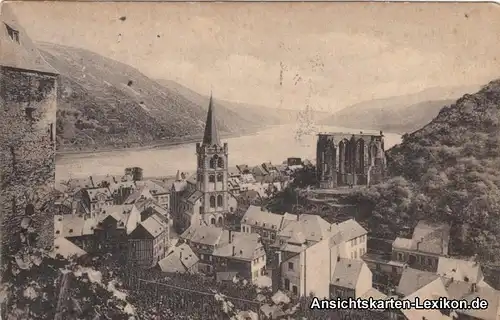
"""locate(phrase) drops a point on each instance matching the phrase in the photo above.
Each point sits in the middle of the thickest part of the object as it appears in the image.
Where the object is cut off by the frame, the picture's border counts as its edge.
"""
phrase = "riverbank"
(154, 145)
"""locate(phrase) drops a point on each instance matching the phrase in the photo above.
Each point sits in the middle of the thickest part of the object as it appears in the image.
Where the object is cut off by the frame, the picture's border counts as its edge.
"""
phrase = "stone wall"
(27, 155)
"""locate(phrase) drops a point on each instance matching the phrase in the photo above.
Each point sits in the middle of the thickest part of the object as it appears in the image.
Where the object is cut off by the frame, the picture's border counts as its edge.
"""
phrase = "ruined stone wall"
(27, 158)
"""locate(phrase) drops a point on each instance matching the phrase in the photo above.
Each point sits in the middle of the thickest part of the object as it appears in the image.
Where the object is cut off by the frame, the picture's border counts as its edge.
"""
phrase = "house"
(304, 229)
(149, 242)
(384, 269)
(140, 194)
(462, 270)
(180, 260)
(66, 248)
(429, 242)
(305, 269)
(96, 199)
(121, 190)
(115, 223)
(431, 291)
(264, 223)
(354, 238)
(418, 283)
(242, 253)
(203, 241)
(350, 278)
(78, 229)
(160, 194)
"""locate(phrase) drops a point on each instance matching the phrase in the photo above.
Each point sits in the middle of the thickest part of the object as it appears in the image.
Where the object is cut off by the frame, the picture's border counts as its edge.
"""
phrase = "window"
(290, 265)
(211, 178)
(294, 290)
(273, 236)
(355, 254)
(400, 256)
(287, 284)
(13, 34)
(219, 201)
(220, 220)
(220, 163)
(212, 201)
(212, 221)
(212, 163)
(355, 241)
(202, 257)
(220, 177)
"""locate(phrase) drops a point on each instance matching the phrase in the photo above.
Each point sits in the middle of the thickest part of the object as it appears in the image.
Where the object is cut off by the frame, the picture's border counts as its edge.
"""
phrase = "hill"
(398, 114)
(254, 113)
(449, 171)
(107, 104)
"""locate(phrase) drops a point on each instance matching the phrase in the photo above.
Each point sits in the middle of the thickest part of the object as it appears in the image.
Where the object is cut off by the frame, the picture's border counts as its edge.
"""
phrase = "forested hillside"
(103, 103)
(449, 171)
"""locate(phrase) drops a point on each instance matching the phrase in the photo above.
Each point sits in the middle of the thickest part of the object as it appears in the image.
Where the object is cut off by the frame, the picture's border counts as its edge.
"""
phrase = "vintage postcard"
(246, 160)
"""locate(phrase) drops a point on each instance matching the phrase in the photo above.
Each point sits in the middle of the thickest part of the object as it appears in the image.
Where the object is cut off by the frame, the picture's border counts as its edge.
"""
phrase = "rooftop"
(207, 235)
(256, 216)
(180, 259)
(242, 246)
(347, 272)
(19, 51)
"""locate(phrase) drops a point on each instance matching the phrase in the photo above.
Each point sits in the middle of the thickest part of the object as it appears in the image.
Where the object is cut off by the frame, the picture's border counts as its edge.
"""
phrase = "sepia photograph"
(249, 160)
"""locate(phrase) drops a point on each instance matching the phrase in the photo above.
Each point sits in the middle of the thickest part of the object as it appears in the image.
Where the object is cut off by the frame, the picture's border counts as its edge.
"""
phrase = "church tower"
(212, 172)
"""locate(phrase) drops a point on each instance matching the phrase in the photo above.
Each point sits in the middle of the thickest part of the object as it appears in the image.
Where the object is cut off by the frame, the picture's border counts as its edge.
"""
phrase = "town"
(223, 241)
(214, 223)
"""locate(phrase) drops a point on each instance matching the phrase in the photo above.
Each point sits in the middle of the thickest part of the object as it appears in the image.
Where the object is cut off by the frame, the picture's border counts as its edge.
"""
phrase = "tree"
(135, 172)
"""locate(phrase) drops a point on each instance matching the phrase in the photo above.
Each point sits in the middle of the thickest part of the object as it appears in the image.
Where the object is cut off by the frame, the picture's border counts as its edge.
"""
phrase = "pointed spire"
(178, 176)
(211, 136)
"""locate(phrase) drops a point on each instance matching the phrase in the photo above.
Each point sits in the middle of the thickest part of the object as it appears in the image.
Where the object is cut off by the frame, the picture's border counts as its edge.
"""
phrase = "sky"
(288, 55)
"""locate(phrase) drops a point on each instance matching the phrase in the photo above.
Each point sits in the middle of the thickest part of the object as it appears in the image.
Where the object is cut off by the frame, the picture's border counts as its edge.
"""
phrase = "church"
(204, 197)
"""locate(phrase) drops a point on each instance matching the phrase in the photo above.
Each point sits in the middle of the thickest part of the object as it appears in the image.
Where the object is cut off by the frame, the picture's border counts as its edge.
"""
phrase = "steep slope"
(255, 113)
(104, 103)
(450, 171)
(398, 114)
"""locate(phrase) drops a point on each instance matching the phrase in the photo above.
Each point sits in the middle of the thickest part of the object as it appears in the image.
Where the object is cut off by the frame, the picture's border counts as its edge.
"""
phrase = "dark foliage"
(448, 171)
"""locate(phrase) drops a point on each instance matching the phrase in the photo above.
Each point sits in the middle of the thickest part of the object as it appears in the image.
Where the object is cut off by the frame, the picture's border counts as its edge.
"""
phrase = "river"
(273, 144)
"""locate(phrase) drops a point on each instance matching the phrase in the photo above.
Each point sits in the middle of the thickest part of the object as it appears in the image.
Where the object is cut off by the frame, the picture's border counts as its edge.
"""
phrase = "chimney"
(473, 288)
(92, 181)
(231, 237)
(280, 256)
(297, 217)
(338, 258)
(234, 248)
(418, 243)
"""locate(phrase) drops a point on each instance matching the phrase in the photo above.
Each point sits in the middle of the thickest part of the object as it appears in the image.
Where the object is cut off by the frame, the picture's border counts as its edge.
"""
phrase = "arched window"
(212, 163)
(220, 177)
(212, 201)
(220, 163)
(220, 220)
(212, 221)
(219, 201)
(211, 178)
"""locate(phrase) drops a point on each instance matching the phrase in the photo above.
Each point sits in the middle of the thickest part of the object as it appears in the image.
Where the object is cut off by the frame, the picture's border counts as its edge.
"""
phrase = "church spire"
(178, 176)
(211, 136)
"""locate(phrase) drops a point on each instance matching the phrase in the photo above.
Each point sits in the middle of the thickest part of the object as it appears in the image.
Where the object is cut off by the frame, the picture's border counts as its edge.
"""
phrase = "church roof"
(211, 136)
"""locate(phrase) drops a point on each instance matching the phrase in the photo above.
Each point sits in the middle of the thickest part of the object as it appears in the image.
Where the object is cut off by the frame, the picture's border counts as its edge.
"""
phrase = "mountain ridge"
(105, 104)
(399, 114)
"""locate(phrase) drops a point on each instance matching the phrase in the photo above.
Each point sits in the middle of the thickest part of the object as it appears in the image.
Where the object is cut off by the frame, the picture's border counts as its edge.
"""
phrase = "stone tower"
(344, 159)
(212, 172)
